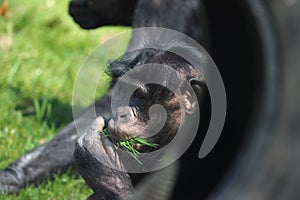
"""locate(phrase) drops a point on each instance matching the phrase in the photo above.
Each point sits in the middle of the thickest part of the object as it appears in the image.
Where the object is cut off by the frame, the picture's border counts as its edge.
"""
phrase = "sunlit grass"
(41, 49)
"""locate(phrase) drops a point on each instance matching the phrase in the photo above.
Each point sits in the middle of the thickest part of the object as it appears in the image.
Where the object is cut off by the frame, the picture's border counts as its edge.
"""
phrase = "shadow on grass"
(50, 111)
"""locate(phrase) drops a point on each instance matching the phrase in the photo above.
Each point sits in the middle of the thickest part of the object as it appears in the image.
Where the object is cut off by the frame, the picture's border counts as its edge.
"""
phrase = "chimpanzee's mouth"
(133, 145)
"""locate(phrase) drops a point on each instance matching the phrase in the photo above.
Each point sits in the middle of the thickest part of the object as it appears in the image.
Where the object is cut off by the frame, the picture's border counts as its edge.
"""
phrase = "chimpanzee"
(132, 120)
(57, 155)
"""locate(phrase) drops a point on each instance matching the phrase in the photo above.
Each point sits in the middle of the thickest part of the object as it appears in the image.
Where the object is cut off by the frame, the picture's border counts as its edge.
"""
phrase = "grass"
(41, 49)
(131, 145)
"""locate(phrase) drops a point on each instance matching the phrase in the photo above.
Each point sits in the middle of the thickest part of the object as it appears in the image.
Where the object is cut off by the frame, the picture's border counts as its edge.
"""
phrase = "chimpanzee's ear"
(200, 90)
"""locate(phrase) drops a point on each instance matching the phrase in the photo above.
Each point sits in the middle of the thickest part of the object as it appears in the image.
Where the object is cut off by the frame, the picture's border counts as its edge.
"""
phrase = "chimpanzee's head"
(135, 120)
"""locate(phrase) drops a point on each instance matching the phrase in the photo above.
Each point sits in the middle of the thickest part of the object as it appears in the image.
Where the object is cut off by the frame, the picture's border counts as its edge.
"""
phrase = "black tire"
(266, 164)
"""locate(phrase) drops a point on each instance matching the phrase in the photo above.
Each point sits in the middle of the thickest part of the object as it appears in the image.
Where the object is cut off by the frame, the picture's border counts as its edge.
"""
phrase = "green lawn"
(41, 49)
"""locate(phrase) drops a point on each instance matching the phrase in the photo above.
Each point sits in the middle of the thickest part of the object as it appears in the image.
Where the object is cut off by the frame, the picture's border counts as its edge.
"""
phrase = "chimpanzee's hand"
(91, 151)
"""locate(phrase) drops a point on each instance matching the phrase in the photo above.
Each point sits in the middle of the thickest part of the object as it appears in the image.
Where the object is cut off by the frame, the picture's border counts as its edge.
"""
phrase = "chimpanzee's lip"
(111, 126)
(113, 130)
(116, 133)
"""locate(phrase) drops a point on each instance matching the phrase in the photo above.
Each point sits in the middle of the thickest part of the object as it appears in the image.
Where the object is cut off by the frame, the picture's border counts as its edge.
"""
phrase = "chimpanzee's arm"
(51, 157)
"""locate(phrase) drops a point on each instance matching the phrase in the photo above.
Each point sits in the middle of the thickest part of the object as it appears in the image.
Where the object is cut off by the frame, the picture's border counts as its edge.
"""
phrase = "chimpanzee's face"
(135, 120)
(132, 121)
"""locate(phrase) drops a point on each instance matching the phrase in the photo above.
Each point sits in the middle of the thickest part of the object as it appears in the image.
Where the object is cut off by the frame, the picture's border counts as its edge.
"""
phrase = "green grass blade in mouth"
(128, 145)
